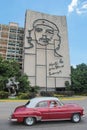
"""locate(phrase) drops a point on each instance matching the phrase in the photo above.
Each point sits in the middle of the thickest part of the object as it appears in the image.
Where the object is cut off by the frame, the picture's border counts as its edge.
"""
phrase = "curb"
(74, 98)
(9, 100)
(61, 98)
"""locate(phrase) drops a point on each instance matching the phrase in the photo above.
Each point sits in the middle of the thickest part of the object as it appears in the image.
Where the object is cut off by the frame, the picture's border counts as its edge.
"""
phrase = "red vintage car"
(46, 109)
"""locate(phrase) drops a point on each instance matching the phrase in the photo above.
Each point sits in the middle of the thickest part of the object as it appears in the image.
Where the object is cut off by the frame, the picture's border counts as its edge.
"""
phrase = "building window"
(13, 30)
(12, 36)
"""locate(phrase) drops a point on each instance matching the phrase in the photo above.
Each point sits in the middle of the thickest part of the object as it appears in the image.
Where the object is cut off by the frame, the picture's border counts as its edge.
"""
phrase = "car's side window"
(53, 104)
(42, 104)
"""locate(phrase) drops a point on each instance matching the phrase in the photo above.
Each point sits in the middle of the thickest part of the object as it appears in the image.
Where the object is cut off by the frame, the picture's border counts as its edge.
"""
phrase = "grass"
(58, 96)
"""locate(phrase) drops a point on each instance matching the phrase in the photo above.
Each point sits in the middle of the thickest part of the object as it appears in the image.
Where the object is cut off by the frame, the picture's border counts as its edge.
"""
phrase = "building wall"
(11, 42)
(46, 52)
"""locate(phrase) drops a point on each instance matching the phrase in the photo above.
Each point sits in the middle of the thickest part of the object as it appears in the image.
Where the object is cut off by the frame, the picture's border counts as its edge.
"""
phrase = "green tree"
(24, 85)
(10, 68)
(79, 78)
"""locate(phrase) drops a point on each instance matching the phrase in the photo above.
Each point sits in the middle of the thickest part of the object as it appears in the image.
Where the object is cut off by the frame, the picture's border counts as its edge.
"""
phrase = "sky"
(76, 16)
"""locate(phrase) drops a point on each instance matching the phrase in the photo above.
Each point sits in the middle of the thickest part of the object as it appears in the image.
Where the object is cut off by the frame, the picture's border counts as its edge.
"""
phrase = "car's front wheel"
(29, 121)
(76, 117)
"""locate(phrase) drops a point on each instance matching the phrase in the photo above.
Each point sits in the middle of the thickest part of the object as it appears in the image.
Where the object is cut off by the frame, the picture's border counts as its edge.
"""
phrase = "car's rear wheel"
(76, 117)
(29, 121)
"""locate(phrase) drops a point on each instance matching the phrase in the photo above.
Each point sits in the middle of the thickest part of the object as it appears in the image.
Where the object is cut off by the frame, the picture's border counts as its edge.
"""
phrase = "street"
(6, 108)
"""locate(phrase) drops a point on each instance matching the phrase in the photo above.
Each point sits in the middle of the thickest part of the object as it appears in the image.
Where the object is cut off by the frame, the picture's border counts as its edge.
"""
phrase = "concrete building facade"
(46, 50)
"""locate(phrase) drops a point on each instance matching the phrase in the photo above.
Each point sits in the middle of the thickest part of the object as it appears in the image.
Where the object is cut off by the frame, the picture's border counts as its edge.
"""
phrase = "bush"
(26, 95)
(23, 96)
(3, 94)
(47, 93)
(69, 93)
(65, 93)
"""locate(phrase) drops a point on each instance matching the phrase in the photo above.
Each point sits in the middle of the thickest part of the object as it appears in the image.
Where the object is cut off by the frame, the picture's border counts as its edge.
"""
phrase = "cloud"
(72, 5)
(82, 8)
(78, 6)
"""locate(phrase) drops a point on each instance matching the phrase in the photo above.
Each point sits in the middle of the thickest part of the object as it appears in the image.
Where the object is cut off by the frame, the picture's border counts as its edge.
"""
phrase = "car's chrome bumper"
(85, 115)
(12, 119)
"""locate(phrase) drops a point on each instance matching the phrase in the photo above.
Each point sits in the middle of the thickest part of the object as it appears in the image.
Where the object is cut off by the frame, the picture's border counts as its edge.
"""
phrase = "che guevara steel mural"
(47, 33)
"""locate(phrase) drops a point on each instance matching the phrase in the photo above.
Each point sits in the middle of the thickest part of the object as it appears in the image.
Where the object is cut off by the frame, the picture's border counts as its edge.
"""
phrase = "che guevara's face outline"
(43, 34)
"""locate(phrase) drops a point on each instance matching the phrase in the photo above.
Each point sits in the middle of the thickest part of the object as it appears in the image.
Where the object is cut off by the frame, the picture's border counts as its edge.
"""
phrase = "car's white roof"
(34, 101)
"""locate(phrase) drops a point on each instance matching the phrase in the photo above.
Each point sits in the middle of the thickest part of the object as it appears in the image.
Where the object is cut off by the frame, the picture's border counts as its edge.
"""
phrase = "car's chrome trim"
(38, 118)
(55, 119)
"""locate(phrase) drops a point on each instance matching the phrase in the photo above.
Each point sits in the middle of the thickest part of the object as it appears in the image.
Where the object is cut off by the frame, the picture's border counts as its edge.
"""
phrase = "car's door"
(43, 108)
(57, 112)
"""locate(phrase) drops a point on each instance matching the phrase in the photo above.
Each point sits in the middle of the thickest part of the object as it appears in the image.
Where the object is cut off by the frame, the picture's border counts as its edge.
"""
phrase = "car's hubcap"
(29, 121)
(76, 118)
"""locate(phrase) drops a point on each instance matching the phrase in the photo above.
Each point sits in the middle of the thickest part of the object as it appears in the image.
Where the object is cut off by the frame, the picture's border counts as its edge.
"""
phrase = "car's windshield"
(61, 103)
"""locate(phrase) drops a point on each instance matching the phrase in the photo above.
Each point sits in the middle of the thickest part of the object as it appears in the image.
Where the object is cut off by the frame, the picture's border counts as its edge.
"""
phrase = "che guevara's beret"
(46, 23)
